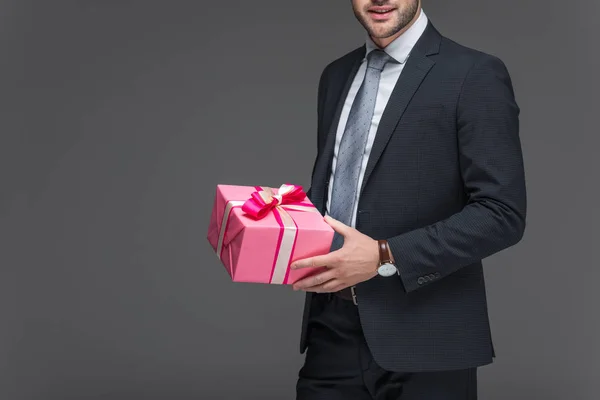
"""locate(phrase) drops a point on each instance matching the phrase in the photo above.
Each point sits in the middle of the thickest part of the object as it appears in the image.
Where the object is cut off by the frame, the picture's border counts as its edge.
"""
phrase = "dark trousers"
(339, 365)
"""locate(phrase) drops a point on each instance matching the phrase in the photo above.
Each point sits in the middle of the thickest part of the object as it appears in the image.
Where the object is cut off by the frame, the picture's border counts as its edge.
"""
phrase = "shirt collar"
(401, 47)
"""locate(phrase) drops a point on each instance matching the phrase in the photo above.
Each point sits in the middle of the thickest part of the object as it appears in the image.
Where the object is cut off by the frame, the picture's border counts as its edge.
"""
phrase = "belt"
(347, 294)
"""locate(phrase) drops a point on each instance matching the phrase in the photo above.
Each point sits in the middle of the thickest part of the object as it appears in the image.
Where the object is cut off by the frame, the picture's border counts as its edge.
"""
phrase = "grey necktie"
(352, 146)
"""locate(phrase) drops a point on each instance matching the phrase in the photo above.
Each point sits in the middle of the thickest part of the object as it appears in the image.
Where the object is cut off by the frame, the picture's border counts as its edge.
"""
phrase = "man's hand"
(355, 262)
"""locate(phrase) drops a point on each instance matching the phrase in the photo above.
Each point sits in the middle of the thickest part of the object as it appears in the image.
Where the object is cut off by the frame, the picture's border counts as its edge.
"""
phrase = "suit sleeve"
(320, 102)
(492, 169)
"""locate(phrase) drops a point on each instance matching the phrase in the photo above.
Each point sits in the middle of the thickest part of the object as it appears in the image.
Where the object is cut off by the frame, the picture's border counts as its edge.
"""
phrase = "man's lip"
(380, 8)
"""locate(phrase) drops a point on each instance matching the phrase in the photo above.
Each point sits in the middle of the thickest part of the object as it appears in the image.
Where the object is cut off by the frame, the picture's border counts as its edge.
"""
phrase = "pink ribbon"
(266, 200)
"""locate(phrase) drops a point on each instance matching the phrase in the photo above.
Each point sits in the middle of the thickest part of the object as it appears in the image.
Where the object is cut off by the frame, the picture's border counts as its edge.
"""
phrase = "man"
(419, 171)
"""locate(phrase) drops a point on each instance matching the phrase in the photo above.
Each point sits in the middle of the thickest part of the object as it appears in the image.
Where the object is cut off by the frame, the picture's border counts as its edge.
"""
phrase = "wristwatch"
(386, 265)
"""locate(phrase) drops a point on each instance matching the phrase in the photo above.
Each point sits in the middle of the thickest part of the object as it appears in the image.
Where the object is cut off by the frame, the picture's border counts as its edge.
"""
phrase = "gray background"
(118, 118)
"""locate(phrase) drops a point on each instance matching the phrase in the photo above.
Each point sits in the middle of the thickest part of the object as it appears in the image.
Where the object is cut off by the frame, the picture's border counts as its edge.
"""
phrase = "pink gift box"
(257, 232)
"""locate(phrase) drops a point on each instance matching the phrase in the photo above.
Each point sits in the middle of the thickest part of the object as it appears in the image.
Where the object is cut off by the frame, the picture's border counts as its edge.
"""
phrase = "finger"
(312, 262)
(338, 226)
(315, 280)
(330, 286)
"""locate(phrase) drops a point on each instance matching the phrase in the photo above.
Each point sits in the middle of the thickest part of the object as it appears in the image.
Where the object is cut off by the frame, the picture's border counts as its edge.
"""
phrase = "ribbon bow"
(264, 201)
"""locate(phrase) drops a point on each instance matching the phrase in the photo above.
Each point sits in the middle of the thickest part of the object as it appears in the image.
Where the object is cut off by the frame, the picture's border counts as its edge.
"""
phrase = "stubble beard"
(377, 31)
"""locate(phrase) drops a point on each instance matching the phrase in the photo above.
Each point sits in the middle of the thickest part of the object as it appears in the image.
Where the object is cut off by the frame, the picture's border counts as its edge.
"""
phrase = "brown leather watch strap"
(384, 252)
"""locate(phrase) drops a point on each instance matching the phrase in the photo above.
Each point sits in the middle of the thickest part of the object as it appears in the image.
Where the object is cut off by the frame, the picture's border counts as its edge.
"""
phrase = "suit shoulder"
(474, 68)
(344, 61)
(466, 56)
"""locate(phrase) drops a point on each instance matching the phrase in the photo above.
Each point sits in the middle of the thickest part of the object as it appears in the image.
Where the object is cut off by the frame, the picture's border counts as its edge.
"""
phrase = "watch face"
(387, 270)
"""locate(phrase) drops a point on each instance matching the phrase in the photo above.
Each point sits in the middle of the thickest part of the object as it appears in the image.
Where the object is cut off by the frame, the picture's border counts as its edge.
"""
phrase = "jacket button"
(437, 275)
(421, 280)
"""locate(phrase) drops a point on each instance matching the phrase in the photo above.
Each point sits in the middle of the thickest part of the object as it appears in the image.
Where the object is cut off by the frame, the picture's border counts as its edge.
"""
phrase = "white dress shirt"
(399, 50)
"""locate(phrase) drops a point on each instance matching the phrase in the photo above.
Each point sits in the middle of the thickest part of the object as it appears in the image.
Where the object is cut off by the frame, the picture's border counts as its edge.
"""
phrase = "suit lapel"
(414, 72)
(416, 69)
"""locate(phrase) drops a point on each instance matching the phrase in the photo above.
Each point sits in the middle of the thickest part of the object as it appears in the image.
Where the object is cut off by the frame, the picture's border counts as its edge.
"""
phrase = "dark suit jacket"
(445, 185)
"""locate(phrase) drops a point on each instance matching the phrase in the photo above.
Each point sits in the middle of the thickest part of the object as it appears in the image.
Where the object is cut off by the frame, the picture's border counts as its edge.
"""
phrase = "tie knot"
(377, 59)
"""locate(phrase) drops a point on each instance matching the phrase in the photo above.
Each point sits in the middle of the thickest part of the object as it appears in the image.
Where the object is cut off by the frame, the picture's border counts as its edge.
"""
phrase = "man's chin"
(381, 30)
(381, 34)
